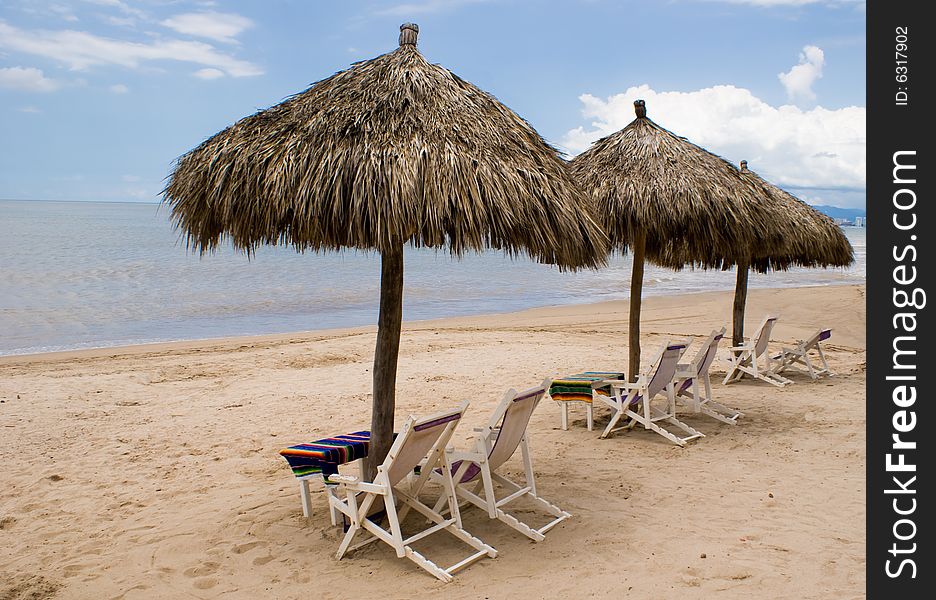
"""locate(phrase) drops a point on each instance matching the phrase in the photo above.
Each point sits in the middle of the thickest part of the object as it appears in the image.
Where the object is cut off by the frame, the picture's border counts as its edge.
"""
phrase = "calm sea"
(87, 275)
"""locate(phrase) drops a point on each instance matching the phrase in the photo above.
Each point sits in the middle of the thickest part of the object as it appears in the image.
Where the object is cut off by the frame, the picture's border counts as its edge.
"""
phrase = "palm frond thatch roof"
(811, 239)
(693, 206)
(391, 150)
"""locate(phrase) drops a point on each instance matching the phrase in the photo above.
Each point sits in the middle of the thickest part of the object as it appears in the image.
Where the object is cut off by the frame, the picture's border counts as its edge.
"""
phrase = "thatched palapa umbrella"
(391, 151)
(673, 203)
(810, 239)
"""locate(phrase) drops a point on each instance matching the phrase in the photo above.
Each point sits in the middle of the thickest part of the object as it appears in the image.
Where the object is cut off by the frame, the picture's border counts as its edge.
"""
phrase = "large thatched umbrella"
(810, 239)
(393, 150)
(673, 203)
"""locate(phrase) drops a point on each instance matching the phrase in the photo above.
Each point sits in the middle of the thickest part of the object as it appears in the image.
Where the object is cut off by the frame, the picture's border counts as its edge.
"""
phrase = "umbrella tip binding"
(640, 107)
(743, 166)
(408, 34)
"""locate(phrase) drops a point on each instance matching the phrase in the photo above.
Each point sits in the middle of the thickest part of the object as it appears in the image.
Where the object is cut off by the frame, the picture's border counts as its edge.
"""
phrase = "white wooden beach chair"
(692, 377)
(475, 471)
(419, 441)
(744, 358)
(636, 400)
(790, 358)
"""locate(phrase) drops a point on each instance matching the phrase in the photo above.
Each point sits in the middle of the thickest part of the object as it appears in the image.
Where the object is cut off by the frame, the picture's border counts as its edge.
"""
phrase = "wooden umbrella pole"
(385, 358)
(633, 323)
(740, 298)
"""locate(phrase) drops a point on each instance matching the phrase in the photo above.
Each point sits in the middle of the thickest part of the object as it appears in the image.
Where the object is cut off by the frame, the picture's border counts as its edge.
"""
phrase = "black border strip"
(901, 263)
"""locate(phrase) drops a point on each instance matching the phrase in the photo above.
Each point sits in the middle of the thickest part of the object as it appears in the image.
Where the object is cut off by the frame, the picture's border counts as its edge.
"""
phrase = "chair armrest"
(741, 347)
(343, 479)
(641, 378)
(620, 384)
(465, 455)
(350, 482)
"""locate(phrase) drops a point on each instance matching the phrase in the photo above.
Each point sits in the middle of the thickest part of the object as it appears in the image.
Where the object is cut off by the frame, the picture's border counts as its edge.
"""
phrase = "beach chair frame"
(387, 486)
(476, 470)
(791, 358)
(693, 377)
(743, 359)
(659, 378)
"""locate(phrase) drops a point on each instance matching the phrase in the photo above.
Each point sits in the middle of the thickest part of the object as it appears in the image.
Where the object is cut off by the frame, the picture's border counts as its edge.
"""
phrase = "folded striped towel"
(578, 387)
(322, 457)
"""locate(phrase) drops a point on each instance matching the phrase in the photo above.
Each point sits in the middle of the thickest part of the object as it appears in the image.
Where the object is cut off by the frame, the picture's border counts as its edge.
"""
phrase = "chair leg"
(450, 526)
(395, 531)
(518, 525)
(426, 564)
(717, 410)
(489, 490)
(825, 366)
(589, 415)
(661, 416)
(353, 528)
(537, 535)
(618, 413)
(734, 371)
(564, 415)
(528, 462)
(811, 371)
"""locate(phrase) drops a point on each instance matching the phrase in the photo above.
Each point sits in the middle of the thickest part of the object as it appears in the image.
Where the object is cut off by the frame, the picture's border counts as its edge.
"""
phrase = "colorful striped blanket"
(322, 457)
(578, 387)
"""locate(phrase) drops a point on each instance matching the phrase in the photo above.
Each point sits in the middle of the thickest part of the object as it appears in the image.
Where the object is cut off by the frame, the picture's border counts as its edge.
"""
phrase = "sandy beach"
(152, 471)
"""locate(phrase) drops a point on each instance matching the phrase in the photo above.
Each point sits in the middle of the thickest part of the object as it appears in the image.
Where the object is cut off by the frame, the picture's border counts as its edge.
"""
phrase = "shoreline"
(196, 344)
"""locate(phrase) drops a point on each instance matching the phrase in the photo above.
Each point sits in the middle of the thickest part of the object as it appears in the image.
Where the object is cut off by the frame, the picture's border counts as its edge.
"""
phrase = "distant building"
(859, 221)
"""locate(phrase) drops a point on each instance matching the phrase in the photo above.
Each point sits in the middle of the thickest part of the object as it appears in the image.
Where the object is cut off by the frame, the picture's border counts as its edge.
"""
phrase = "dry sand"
(152, 472)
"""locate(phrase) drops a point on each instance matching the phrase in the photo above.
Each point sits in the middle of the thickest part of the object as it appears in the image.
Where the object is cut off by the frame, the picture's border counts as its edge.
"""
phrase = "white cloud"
(799, 79)
(119, 88)
(817, 148)
(26, 79)
(221, 27)
(29, 110)
(208, 73)
(120, 21)
(64, 12)
(121, 6)
(81, 50)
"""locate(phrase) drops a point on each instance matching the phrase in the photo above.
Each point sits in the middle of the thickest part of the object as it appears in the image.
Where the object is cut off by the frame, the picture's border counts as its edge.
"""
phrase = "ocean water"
(87, 275)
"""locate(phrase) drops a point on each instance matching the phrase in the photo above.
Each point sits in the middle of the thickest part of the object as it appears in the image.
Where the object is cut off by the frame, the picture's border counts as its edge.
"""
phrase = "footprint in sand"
(262, 560)
(242, 548)
(690, 579)
(202, 570)
(75, 569)
(205, 583)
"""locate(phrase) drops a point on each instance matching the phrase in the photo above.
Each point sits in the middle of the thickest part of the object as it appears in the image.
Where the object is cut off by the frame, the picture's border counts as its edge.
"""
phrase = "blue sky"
(98, 97)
